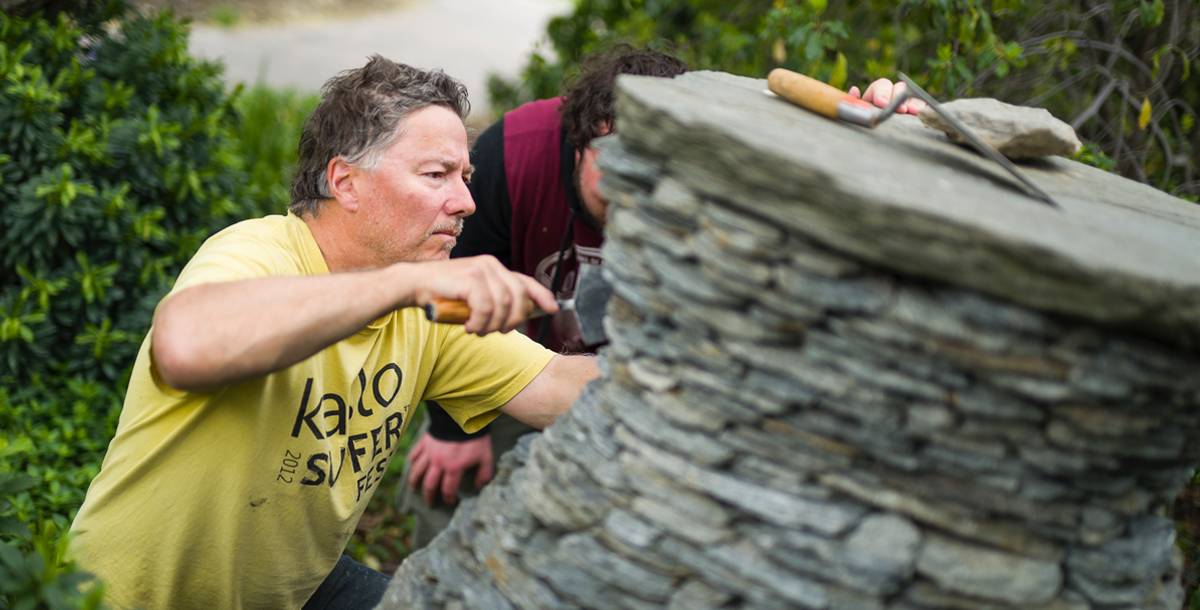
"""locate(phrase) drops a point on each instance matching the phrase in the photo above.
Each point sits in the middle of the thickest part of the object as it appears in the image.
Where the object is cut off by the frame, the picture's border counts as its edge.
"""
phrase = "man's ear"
(340, 176)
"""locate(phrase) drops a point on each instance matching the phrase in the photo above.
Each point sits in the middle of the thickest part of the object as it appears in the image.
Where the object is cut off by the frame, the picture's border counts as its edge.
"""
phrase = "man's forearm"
(214, 334)
(553, 391)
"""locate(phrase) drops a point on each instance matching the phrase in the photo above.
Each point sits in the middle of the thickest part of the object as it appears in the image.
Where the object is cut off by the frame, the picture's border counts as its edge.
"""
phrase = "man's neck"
(336, 241)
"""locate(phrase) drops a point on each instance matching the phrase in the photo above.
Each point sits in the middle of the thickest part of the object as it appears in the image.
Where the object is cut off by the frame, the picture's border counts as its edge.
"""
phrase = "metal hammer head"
(592, 292)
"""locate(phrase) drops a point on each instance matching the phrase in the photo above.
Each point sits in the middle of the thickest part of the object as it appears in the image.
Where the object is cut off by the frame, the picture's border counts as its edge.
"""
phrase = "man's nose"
(461, 203)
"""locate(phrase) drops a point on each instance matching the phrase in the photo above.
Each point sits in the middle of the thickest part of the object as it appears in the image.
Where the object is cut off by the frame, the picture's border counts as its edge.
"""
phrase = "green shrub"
(271, 124)
(1120, 70)
(41, 575)
(118, 157)
(118, 162)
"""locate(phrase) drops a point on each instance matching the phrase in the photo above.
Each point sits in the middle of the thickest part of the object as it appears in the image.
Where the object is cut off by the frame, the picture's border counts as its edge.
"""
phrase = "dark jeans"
(350, 585)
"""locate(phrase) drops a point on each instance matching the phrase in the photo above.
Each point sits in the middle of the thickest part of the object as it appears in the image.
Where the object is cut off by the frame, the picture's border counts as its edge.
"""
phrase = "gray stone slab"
(988, 574)
(630, 530)
(1018, 132)
(925, 419)
(621, 572)
(689, 280)
(654, 483)
(807, 257)
(770, 505)
(714, 574)
(793, 414)
(882, 195)
(696, 595)
(678, 523)
(689, 409)
(747, 561)
(756, 275)
(884, 547)
(797, 449)
(733, 323)
(1123, 570)
(781, 474)
(721, 238)
(853, 295)
(992, 403)
(625, 264)
(948, 517)
(636, 168)
(925, 596)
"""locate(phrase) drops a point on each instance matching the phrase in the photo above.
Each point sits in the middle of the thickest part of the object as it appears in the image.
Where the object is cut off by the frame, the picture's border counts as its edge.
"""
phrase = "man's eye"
(436, 175)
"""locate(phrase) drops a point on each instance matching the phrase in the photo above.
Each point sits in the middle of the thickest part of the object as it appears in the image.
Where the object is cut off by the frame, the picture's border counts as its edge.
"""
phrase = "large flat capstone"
(902, 197)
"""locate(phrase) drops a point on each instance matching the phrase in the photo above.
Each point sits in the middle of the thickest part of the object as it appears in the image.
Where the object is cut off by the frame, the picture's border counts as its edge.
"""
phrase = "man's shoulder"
(276, 232)
(273, 244)
(550, 104)
(538, 114)
(273, 227)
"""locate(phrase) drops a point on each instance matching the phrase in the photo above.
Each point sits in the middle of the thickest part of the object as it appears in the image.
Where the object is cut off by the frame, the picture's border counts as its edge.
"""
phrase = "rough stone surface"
(988, 574)
(874, 377)
(1018, 132)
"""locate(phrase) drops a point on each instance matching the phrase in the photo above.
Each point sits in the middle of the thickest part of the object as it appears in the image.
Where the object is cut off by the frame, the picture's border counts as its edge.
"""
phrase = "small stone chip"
(1019, 132)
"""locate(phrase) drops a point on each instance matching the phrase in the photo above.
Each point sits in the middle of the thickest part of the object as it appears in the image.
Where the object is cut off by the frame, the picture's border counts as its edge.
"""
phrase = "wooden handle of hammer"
(810, 93)
(453, 311)
(448, 311)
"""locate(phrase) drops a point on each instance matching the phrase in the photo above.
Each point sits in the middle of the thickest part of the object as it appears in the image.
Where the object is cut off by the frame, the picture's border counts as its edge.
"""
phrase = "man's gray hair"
(358, 119)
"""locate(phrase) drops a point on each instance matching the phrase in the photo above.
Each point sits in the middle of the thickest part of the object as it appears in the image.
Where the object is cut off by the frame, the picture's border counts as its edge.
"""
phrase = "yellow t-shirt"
(245, 497)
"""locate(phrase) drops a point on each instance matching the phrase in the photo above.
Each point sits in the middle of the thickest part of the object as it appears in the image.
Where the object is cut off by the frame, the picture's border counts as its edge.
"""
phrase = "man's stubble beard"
(454, 226)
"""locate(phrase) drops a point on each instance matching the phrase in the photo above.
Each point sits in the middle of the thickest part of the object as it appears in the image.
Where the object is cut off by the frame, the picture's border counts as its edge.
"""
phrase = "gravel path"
(467, 38)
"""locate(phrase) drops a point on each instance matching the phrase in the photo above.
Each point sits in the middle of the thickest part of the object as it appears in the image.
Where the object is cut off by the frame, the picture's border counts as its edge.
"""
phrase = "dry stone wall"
(786, 423)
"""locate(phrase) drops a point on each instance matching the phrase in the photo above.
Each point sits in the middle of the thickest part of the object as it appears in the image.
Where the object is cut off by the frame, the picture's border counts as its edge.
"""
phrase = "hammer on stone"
(587, 306)
(829, 101)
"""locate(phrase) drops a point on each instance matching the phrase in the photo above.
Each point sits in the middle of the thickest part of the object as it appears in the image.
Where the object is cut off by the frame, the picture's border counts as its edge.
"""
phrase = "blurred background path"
(467, 38)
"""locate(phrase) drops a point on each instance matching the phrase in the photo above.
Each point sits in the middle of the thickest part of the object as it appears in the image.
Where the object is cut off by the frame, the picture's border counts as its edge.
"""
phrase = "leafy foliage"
(118, 157)
(43, 576)
(1119, 71)
(118, 162)
(271, 123)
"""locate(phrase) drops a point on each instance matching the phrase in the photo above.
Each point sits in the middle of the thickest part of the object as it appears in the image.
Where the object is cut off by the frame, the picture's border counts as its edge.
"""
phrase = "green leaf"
(1145, 114)
(9, 447)
(1152, 13)
(11, 485)
(837, 77)
(12, 526)
(813, 47)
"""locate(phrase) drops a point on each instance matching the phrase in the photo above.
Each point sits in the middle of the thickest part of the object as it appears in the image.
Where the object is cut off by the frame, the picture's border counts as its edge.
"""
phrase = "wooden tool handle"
(453, 311)
(448, 311)
(809, 93)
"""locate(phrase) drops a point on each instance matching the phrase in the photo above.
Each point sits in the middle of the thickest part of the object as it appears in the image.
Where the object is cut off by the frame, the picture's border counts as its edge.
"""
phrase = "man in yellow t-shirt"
(279, 373)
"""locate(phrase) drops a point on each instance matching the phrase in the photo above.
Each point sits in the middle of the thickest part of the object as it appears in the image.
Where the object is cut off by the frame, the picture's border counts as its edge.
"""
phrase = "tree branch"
(1094, 107)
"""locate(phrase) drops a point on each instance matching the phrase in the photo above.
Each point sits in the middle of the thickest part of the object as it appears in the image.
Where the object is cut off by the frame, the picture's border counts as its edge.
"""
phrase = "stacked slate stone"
(851, 369)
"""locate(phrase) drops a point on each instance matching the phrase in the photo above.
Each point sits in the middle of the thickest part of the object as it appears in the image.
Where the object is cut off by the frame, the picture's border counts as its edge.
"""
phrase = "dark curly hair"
(589, 97)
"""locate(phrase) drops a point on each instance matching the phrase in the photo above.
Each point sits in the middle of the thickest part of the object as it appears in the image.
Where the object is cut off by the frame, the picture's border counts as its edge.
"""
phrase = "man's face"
(412, 204)
(588, 183)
